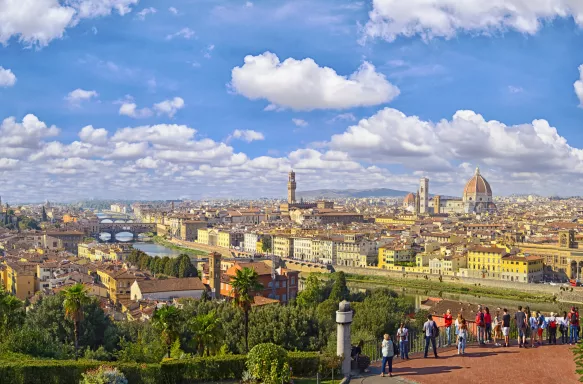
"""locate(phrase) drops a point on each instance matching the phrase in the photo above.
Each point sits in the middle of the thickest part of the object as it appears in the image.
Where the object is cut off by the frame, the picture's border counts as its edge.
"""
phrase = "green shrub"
(204, 369)
(268, 363)
(104, 375)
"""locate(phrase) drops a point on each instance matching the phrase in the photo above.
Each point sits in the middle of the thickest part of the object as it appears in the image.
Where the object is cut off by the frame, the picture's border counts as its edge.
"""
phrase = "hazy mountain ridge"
(344, 193)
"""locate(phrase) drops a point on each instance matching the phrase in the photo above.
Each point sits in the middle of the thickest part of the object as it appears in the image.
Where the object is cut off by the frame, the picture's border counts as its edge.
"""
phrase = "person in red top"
(481, 324)
(488, 322)
(448, 321)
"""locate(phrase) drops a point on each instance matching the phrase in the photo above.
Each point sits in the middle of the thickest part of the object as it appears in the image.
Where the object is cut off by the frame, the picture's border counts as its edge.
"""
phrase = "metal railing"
(372, 348)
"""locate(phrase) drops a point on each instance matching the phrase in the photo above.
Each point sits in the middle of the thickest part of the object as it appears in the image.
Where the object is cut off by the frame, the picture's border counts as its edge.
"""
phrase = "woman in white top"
(388, 350)
(458, 322)
(564, 328)
(403, 339)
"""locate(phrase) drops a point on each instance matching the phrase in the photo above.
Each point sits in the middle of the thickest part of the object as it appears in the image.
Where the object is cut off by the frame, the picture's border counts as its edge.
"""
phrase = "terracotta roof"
(477, 184)
(260, 300)
(171, 285)
(259, 267)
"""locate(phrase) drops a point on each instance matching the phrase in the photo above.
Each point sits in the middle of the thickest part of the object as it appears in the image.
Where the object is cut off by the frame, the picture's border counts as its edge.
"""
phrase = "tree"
(76, 298)
(166, 320)
(11, 312)
(266, 244)
(339, 289)
(313, 292)
(245, 282)
(185, 267)
(207, 332)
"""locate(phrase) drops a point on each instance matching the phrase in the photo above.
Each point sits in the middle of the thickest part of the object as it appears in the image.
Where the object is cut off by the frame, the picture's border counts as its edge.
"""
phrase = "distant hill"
(344, 193)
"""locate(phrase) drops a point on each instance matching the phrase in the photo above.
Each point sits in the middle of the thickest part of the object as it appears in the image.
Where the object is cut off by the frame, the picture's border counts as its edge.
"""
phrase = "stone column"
(343, 345)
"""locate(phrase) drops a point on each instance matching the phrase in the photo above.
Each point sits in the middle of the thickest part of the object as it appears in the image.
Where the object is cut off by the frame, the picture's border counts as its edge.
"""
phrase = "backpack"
(435, 330)
(574, 318)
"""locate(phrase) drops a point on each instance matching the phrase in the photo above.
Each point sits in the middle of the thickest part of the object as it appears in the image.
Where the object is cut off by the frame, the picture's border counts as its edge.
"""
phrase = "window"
(284, 297)
(293, 281)
(284, 284)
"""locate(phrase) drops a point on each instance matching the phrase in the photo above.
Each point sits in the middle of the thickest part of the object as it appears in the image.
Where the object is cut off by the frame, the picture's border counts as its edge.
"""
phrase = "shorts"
(521, 332)
(505, 331)
(540, 332)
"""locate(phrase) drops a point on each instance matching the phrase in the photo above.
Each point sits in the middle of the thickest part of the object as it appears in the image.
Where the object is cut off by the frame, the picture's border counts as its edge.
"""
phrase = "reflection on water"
(154, 249)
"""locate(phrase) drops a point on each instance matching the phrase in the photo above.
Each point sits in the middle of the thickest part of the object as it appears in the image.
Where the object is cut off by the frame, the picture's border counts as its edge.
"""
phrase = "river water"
(154, 250)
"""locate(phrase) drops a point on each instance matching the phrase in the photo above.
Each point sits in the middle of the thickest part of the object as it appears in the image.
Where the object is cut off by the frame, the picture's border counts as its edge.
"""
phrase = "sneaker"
(497, 344)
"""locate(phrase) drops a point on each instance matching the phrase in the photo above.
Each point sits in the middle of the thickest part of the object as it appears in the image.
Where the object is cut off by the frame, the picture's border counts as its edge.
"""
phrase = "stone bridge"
(134, 228)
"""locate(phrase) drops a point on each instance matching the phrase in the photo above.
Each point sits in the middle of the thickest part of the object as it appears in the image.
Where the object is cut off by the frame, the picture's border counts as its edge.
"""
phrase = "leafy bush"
(100, 354)
(104, 375)
(268, 363)
(204, 369)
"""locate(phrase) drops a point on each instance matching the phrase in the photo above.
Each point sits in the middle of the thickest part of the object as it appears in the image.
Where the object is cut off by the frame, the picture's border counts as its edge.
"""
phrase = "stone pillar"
(343, 345)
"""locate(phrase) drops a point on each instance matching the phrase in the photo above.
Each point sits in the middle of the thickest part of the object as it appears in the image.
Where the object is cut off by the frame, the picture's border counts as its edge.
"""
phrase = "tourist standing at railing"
(542, 325)
(533, 326)
(388, 350)
(462, 338)
(578, 324)
(573, 326)
(497, 326)
(458, 322)
(528, 333)
(506, 327)
(521, 325)
(448, 318)
(552, 330)
(481, 324)
(403, 337)
(488, 322)
(431, 332)
(564, 328)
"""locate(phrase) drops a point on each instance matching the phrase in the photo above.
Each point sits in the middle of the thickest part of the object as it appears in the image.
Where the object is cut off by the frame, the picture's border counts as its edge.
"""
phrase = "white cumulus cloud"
(445, 18)
(247, 135)
(300, 122)
(169, 107)
(304, 85)
(145, 12)
(579, 86)
(92, 135)
(79, 95)
(39, 22)
(7, 78)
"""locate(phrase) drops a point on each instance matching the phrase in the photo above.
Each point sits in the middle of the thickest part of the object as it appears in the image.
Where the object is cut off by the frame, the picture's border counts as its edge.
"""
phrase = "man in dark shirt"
(506, 327)
(520, 319)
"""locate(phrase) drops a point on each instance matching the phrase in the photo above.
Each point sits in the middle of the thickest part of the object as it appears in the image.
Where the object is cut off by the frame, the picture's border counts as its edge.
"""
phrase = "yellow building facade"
(389, 256)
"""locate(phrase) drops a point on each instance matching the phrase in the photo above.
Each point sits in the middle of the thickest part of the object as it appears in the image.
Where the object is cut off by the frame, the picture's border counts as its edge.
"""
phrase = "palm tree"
(245, 282)
(207, 332)
(166, 319)
(75, 298)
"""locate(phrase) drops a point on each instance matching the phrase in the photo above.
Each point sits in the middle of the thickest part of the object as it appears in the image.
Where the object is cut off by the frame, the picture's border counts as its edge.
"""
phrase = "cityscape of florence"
(291, 191)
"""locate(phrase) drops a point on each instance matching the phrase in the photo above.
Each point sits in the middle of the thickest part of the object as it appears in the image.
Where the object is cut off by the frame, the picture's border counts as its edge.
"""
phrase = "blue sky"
(175, 110)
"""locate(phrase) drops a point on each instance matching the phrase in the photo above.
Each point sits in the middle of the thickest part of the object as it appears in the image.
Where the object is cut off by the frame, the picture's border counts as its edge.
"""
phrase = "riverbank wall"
(574, 296)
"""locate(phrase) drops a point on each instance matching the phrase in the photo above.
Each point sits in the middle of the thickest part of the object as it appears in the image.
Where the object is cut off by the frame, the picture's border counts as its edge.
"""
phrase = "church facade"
(476, 198)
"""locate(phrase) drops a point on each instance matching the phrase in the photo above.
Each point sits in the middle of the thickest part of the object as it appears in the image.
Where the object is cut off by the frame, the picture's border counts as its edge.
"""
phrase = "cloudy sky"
(221, 98)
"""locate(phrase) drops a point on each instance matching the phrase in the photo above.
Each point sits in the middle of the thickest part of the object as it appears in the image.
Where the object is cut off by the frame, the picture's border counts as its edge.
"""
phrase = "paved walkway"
(487, 365)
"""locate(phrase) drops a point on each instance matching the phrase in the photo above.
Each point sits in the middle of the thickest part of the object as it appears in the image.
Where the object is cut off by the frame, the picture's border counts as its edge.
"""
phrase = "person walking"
(388, 350)
(462, 338)
(431, 332)
(448, 319)
(573, 325)
(552, 329)
(480, 323)
(521, 325)
(497, 326)
(564, 328)
(488, 323)
(403, 338)
(506, 327)
(533, 323)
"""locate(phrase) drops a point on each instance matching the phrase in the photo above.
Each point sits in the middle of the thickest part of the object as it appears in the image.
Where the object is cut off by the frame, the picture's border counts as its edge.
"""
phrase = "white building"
(303, 249)
(324, 250)
(250, 243)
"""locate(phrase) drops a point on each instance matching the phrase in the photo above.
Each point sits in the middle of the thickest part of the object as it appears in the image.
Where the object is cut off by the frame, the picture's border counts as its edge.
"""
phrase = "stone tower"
(291, 188)
(215, 274)
(424, 195)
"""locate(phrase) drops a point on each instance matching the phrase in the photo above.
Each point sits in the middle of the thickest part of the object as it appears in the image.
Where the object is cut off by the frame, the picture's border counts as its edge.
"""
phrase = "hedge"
(193, 370)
